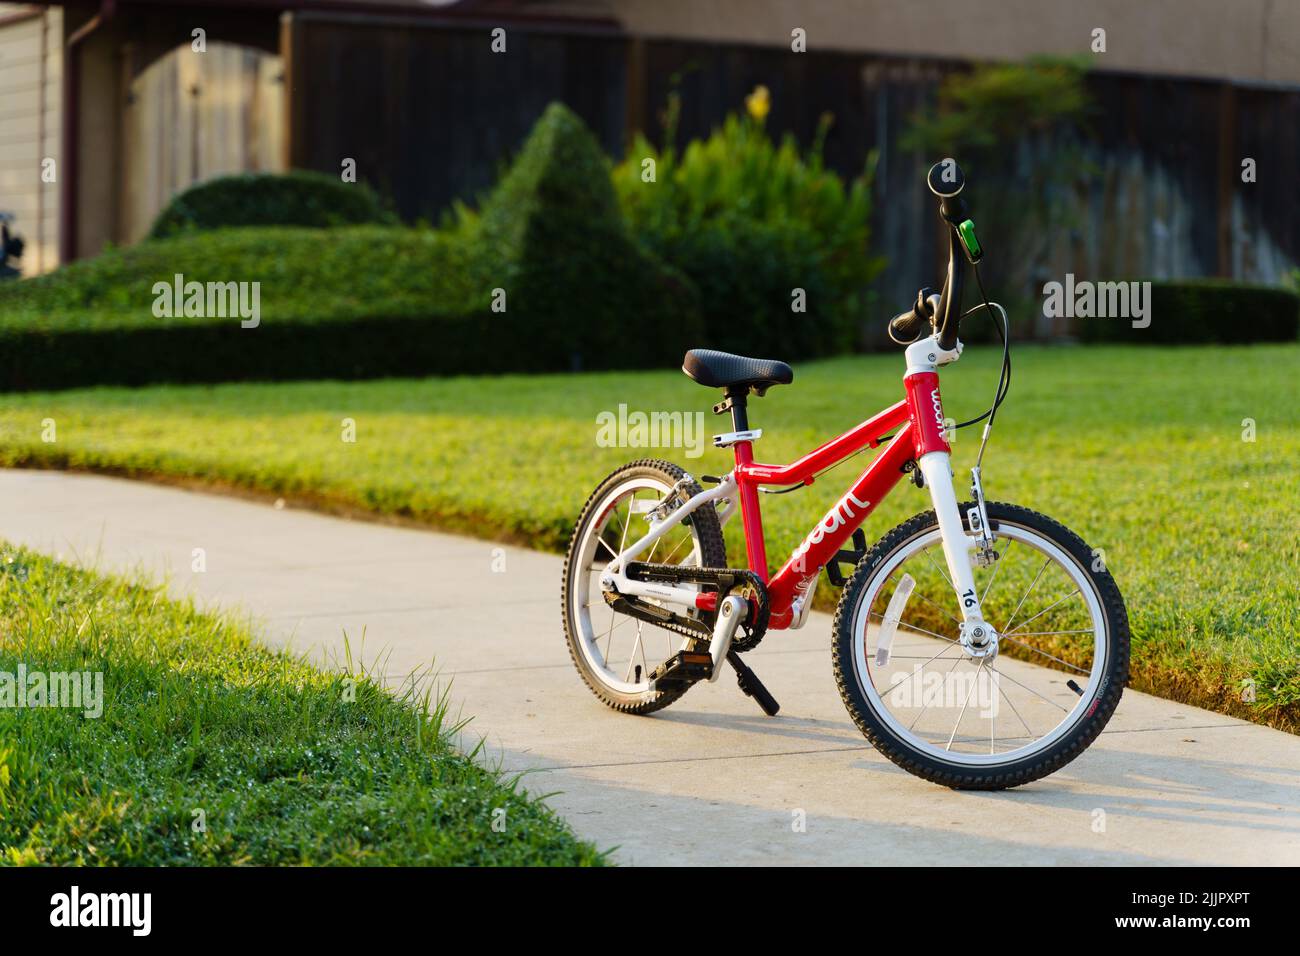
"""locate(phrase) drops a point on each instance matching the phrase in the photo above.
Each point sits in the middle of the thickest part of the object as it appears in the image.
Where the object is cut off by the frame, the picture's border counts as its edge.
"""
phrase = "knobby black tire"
(713, 554)
(1033, 766)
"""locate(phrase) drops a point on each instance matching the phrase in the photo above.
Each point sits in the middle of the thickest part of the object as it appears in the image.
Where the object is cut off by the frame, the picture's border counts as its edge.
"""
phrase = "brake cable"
(804, 484)
(1004, 377)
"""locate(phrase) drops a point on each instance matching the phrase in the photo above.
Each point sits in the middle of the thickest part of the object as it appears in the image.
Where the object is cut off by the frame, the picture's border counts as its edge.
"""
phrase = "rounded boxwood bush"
(298, 198)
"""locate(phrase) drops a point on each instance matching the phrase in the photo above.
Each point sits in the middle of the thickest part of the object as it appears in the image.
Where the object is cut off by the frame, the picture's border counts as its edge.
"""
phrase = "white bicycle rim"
(862, 663)
(583, 596)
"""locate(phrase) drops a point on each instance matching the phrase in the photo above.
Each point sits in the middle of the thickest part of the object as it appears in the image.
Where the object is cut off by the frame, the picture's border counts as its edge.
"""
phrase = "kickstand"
(749, 683)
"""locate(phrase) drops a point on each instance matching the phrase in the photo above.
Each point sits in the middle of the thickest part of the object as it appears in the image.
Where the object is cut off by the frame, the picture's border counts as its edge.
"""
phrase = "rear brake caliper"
(671, 501)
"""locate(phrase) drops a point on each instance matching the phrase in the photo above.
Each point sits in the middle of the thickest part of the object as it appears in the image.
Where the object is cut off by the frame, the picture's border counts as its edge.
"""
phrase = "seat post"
(738, 397)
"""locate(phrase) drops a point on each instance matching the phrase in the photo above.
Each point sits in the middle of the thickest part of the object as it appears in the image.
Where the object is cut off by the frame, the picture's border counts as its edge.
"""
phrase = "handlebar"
(943, 312)
(948, 314)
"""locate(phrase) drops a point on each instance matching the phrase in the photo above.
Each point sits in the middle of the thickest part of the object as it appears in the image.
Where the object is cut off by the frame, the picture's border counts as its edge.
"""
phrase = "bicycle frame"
(918, 436)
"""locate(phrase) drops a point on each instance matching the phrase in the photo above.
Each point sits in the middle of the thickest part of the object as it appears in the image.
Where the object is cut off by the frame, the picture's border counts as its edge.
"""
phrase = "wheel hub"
(979, 639)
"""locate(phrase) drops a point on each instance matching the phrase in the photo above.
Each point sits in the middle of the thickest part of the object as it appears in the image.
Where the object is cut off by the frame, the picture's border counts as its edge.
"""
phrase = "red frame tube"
(920, 429)
(925, 405)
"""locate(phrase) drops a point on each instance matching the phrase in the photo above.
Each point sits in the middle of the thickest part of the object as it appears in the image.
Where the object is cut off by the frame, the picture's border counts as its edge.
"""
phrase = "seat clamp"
(727, 439)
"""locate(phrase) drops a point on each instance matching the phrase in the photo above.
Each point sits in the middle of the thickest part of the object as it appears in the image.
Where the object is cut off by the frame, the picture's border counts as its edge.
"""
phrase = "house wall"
(155, 116)
(30, 72)
(190, 117)
(1248, 41)
(431, 115)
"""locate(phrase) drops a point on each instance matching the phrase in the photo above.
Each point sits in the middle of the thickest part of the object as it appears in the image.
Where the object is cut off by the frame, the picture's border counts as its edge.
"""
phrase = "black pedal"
(851, 558)
(684, 667)
(751, 686)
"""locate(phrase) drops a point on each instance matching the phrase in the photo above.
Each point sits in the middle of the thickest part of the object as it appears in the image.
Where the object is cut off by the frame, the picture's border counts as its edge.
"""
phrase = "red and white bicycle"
(979, 645)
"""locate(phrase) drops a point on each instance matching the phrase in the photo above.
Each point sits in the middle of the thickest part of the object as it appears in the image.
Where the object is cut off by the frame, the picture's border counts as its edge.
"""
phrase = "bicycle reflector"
(893, 614)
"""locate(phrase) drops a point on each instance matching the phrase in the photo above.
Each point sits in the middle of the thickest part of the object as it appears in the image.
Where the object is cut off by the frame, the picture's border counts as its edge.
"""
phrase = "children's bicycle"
(979, 645)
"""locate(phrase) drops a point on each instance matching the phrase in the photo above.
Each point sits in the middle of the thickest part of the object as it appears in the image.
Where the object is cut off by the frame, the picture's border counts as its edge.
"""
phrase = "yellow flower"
(758, 103)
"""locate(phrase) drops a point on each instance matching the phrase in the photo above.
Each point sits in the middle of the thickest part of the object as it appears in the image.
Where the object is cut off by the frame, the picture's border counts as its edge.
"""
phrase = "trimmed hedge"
(1205, 311)
(298, 198)
(414, 309)
(373, 301)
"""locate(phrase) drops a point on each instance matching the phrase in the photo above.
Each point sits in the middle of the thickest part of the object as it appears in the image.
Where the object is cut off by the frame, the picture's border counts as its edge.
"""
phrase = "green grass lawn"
(287, 764)
(1139, 450)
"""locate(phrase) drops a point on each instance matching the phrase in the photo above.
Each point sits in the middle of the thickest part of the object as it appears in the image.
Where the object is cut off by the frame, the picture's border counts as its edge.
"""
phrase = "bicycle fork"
(977, 636)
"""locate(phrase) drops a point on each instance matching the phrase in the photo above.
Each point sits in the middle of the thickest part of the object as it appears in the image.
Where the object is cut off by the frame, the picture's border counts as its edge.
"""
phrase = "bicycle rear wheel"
(613, 652)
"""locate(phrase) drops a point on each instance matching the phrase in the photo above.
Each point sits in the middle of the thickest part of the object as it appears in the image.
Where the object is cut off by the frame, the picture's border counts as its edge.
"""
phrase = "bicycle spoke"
(926, 706)
(962, 712)
(1030, 689)
(915, 627)
(926, 552)
(938, 606)
(1011, 704)
(1045, 610)
(631, 660)
(622, 540)
(615, 621)
(1032, 585)
(673, 554)
(993, 729)
(948, 711)
(917, 673)
(996, 568)
(618, 665)
(1044, 653)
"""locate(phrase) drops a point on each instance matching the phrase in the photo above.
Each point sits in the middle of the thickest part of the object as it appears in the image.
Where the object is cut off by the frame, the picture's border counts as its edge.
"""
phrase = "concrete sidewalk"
(710, 779)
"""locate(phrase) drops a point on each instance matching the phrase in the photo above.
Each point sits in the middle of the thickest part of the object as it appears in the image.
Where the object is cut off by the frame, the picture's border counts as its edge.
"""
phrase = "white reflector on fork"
(893, 614)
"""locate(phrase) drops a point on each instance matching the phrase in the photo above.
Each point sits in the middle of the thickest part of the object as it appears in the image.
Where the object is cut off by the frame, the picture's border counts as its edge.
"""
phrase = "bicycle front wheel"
(938, 710)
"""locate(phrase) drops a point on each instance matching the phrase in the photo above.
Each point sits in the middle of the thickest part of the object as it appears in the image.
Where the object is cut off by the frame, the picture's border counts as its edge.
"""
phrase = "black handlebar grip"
(906, 327)
(945, 179)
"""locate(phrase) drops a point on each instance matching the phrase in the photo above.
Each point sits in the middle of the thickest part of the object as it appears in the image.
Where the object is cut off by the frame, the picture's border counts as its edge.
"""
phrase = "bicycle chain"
(725, 579)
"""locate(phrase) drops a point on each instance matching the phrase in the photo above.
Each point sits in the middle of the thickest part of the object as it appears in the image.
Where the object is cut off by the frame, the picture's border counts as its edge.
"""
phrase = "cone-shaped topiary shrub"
(580, 292)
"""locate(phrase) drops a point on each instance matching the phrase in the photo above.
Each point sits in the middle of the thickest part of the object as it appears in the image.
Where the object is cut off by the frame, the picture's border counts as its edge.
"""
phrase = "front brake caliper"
(978, 518)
